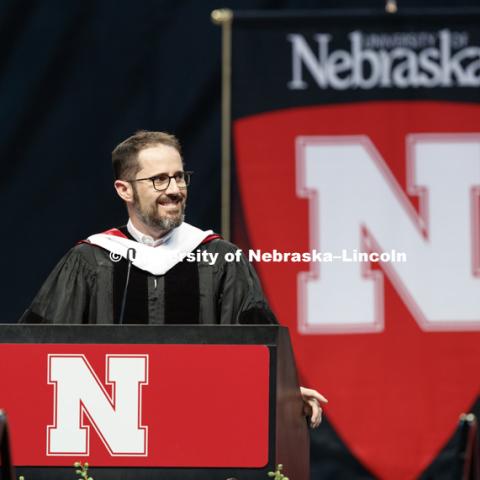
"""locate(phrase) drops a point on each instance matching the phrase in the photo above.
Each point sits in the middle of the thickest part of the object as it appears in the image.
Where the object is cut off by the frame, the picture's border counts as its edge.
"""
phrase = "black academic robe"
(87, 287)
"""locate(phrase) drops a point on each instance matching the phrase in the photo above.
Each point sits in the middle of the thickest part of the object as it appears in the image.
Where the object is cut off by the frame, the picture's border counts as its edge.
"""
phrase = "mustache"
(170, 196)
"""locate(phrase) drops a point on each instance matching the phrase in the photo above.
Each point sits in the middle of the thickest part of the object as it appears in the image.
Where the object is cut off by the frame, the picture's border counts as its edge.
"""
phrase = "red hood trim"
(115, 232)
(112, 231)
(211, 237)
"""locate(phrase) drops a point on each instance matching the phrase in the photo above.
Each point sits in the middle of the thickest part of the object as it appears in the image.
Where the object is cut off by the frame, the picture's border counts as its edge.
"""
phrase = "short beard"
(153, 220)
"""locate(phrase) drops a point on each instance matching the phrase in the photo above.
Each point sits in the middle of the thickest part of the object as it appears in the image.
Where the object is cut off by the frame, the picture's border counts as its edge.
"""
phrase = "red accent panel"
(211, 237)
(115, 232)
(204, 405)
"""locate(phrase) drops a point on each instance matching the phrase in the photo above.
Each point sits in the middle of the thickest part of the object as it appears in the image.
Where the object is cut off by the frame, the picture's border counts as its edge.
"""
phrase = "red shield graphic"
(395, 395)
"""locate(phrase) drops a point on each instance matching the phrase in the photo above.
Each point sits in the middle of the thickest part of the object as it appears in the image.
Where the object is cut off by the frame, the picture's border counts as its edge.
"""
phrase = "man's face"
(164, 210)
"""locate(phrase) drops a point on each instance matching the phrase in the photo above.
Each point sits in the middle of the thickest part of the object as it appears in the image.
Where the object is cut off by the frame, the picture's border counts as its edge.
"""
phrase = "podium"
(153, 402)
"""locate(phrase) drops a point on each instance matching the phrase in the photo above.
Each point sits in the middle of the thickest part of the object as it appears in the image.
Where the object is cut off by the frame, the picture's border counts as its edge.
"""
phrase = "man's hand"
(312, 401)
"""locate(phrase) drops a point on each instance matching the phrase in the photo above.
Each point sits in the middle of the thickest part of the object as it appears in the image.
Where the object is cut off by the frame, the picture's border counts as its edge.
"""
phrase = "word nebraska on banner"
(440, 59)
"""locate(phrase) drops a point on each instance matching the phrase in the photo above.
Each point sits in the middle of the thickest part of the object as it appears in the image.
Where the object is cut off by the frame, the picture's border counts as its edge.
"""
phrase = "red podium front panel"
(139, 405)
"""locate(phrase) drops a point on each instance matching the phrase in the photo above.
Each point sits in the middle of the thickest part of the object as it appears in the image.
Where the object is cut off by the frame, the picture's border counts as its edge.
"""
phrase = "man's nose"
(172, 187)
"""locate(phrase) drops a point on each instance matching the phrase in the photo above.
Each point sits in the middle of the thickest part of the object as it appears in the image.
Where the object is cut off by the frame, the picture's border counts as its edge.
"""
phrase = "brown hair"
(125, 155)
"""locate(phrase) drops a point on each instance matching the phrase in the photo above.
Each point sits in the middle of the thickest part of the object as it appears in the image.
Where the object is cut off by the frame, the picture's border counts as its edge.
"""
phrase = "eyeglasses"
(162, 182)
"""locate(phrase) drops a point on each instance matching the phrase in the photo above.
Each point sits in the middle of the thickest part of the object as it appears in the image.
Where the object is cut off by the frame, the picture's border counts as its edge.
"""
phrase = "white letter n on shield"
(356, 204)
(79, 393)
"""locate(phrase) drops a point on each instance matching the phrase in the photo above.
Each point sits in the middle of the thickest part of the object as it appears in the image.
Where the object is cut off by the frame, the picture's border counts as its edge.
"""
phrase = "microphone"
(131, 254)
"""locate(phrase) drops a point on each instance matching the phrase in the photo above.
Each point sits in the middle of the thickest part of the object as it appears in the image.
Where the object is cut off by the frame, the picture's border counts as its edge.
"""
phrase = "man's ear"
(124, 190)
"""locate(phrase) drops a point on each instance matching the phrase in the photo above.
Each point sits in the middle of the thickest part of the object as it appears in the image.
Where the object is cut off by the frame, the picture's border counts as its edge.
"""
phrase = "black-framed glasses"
(162, 181)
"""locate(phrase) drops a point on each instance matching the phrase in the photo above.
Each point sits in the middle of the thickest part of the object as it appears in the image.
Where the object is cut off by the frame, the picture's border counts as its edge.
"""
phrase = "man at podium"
(156, 269)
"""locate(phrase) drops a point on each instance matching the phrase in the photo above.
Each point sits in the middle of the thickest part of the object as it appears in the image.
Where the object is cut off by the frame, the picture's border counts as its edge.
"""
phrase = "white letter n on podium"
(79, 393)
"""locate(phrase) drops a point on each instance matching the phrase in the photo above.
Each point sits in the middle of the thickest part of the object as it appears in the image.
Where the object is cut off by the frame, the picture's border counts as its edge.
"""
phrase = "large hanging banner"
(357, 163)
